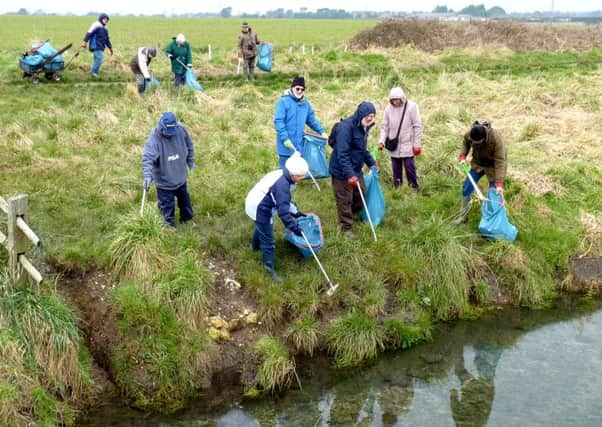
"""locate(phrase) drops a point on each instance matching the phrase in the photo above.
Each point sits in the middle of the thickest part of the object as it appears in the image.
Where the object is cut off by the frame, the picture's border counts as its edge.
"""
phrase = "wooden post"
(209, 53)
(17, 240)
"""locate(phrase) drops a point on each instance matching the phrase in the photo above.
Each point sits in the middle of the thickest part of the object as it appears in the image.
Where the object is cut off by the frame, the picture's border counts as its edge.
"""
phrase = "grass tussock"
(277, 369)
(135, 252)
(354, 339)
(400, 335)
(438, 36)
(304, 335)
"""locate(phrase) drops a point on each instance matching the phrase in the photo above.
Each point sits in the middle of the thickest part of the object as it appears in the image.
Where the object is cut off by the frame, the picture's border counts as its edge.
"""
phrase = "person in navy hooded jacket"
(167, 152)
(293, 112)
(349, 154)
(271, 195)
(98, 37)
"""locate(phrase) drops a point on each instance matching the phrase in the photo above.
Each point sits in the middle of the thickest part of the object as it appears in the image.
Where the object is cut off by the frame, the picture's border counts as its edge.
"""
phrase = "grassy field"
(74, 146)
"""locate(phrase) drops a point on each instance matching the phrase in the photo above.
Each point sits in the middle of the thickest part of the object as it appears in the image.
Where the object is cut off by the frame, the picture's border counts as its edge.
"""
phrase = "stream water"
(510, 368)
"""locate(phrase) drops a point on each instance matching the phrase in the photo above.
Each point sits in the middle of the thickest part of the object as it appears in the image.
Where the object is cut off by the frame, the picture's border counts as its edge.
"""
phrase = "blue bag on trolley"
(314, 153)
(375, 200)
(494, 222)
(264, 59)
(312, 228)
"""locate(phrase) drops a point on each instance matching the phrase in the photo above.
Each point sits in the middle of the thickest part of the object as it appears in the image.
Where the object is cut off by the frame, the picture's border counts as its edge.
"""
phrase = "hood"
(362, 111)
(289, 92)
(397, 93)
(103, 16)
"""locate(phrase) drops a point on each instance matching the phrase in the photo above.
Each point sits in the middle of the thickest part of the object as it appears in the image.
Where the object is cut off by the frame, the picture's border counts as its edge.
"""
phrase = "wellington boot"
(464, 209)
(275, 277)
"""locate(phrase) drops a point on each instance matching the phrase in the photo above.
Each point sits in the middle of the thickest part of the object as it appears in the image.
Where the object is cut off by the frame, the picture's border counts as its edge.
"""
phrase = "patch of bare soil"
(520, 37)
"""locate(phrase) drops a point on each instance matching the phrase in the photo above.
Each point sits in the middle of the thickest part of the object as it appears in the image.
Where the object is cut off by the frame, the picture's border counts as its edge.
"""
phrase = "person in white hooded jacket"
(401, 122)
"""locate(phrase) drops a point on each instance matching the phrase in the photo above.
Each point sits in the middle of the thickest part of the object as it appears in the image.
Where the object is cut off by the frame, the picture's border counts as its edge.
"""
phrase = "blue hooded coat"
(350, 150)
(290, 118)
(98, 35)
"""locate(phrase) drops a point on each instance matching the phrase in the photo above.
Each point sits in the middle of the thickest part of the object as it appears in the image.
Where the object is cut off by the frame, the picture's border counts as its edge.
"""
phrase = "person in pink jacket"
(401, 122)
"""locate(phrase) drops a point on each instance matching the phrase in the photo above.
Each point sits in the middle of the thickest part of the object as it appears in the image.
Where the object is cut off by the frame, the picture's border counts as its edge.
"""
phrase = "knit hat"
(296, 165)
(152, 52)
(478, 132)
(298, 81)
(167, 124)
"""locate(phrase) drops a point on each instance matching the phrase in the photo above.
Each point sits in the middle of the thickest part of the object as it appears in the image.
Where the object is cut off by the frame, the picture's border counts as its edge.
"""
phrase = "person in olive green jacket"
(247, 50)
(180, 55)
(489, 158)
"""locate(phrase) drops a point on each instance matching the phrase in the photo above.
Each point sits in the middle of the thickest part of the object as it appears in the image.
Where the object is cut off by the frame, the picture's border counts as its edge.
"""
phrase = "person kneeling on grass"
(273, 194)
(167, 152)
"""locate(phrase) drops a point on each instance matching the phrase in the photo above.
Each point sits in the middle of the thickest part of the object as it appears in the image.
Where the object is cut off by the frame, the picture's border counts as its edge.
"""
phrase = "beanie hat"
(298, 81)
(167, 124)
(478, 132)
(152, 52)
(296, 165)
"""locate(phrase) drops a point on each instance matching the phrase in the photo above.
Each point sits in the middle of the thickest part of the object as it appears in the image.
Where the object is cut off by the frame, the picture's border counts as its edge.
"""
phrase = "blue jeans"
(98, 58)
(263, 238)
(167, 205)
(180, 79)
(467, 187)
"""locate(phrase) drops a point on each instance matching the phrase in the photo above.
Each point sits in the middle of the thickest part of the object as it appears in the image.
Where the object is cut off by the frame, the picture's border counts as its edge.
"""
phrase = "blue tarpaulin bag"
(314, 153)
(375, 200)
(311, 227)
(192, 82)
(264, 60)
(494, 222)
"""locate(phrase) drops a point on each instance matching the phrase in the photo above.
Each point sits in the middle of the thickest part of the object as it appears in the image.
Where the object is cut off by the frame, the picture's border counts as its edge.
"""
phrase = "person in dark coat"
(180, 55)
(98, 37)
(350, 153)
(167, 152)
(247, 50)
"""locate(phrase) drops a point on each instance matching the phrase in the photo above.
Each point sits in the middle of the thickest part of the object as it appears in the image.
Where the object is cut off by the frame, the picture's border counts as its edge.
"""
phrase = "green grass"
(276, 370)
(355, 338)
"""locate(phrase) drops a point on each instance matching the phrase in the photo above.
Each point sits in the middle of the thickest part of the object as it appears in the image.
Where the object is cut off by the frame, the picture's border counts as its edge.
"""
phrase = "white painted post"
(312, 49)
(303, 49)
(17, 240)
(209, 53)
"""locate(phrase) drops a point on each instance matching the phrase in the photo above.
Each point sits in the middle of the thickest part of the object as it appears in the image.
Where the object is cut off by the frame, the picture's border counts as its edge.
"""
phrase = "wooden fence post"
(17, 240)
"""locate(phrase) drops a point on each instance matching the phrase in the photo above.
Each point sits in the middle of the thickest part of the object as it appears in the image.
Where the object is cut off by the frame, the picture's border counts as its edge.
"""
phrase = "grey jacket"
(165, 159)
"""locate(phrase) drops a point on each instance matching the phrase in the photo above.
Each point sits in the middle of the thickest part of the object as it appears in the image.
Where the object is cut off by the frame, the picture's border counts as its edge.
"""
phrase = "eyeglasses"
(299, 89)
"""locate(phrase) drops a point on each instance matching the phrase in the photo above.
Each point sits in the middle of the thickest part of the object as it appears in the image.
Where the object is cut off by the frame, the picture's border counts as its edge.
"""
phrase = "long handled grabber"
(143, 200)
(191, 80)
(359, 188)
(466, 170)
(331, 288)
(308, 171)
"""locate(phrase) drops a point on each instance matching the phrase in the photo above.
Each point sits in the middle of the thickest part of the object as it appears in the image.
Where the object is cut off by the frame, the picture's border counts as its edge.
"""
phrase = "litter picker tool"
(466, 170)
(359, 188)
(308, 171)
(191, 80)
(331, 288)
(143, 200)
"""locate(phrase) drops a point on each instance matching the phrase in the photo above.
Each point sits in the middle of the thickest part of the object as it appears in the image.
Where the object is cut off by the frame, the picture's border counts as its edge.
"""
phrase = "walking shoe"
(275, 277)
(349, 234)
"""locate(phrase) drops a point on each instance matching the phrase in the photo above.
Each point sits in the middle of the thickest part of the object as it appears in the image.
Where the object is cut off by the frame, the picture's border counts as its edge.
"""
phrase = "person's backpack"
(332, 136)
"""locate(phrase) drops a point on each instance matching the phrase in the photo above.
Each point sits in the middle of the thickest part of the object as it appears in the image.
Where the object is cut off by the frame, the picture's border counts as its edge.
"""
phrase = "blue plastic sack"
(264, 60)
(314, 153)
(494, 222)
(192, 82)
(311, 227)
(375, 200)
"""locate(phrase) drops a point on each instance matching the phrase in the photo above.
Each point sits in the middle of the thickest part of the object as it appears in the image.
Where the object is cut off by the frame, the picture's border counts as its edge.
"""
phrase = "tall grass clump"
(442, 281)
(277, 369)
(354, 339)
(135, 252)
(159, 360)
(402, 335)
(45, 368)
(304, 335)
(185, 287)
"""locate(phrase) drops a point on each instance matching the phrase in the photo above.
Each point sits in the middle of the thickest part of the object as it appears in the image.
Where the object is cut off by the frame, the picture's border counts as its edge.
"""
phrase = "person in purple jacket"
(168, 152)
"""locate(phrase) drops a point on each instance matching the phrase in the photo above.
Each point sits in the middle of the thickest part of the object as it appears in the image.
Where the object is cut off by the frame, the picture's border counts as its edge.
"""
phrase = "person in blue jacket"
(167, 152)
(350, 153)
(271, 195)
(98, 37)
(293, 112)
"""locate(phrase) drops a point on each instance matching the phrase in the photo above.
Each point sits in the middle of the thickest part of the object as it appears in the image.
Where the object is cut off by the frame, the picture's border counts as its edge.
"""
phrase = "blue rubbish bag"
(312, 228)
(494, 222)
(375, 200)
(192, 82)
(264, 59)
(314, 153)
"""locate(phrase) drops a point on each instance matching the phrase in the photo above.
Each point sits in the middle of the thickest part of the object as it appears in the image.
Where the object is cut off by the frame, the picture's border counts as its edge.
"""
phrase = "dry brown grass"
(437, 36)
(591, 243)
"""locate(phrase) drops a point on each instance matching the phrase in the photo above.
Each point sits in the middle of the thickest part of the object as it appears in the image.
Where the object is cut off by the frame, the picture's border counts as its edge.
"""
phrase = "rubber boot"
(245, 73)
(251, 75)
(463, 216)
(275, 277)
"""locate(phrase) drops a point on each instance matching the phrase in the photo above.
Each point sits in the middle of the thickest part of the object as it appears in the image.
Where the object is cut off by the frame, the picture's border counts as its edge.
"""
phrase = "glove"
(462, 159)
(352, 181)
(296, 231)
(374, 169)
(324, 135)
(84, 44)
(499, 188)
(417, 150)
(289, 144)
(146, 183)
(111, 51)
(380, 146)
(299, 214)
(170, 56)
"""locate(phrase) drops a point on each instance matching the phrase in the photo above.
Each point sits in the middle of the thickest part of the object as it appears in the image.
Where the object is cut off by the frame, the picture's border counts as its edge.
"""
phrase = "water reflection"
(504, 369)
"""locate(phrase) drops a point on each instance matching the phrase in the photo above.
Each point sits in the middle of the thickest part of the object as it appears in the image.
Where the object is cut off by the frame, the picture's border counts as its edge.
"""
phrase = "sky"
(239, 6)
